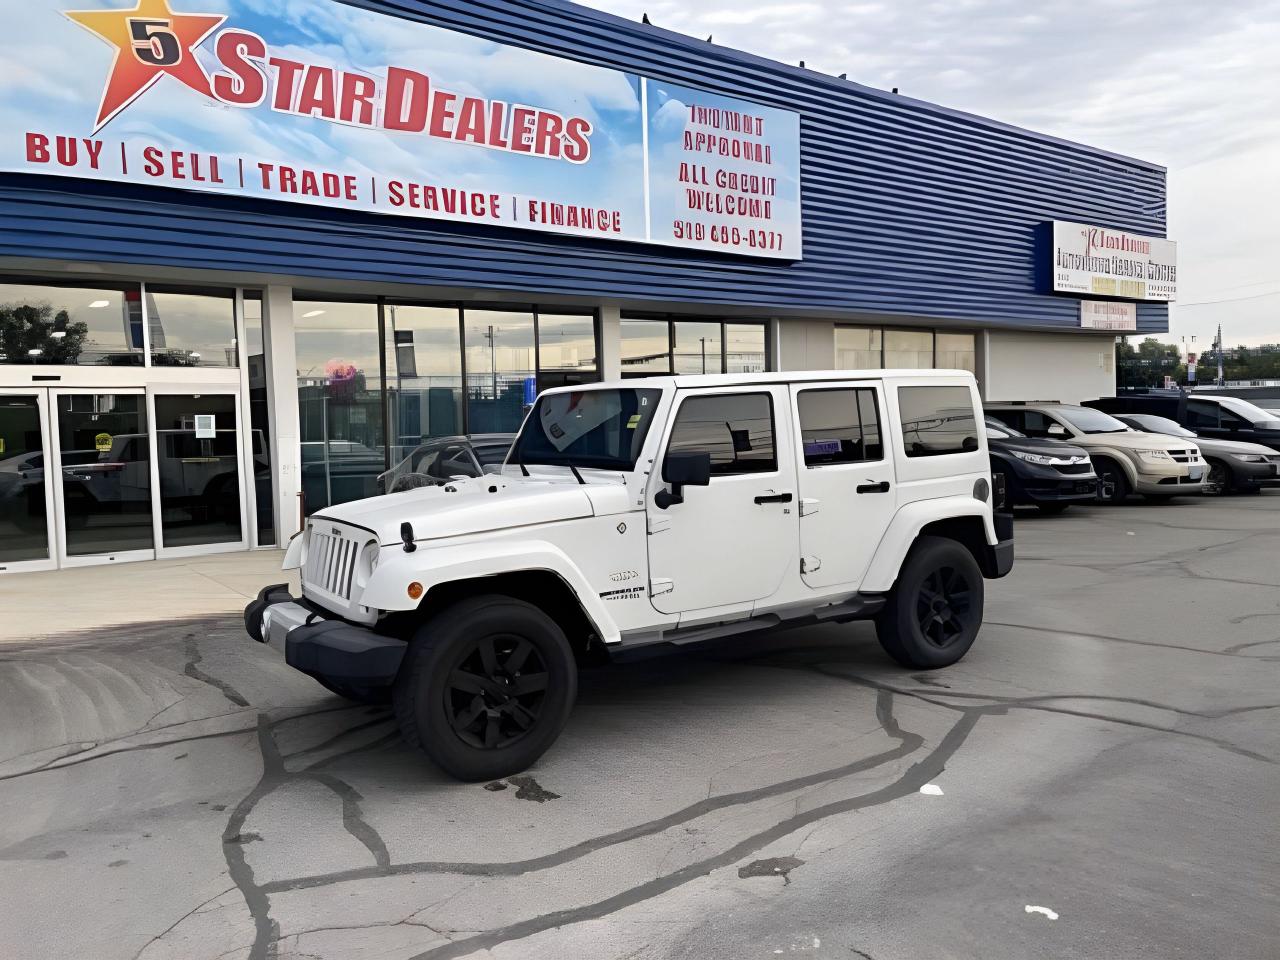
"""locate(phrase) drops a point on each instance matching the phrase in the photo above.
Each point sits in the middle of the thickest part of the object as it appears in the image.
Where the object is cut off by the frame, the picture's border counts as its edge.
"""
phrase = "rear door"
(733, 541)
(845, 479)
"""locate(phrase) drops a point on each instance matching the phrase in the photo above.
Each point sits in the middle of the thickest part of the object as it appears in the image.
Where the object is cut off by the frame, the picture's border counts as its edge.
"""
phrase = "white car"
(665, 510)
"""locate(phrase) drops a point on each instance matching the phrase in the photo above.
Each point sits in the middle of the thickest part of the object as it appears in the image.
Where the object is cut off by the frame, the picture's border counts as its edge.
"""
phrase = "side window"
(839, 426)
(1009, 418)
(937, 421)
(1201, 413)
(1036, 424)
(736, 429)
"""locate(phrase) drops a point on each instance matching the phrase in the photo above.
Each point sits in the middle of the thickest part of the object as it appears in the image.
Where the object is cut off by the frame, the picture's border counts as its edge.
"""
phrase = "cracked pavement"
(1109, 751)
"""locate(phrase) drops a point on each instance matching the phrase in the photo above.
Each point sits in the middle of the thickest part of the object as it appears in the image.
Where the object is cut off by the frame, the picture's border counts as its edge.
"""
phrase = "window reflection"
(697, 348)
(744, 348)
(566, 350)
(424, 372)
(339, 400)
(191, 326)
(646, 348)
(500, 369)
(57, 324)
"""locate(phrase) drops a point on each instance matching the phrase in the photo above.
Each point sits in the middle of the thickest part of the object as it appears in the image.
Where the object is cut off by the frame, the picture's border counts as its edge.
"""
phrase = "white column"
(610, 342)
(282, 399)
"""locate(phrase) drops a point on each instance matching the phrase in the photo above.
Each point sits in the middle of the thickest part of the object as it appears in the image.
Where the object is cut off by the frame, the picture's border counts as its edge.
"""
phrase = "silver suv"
(1126, 460)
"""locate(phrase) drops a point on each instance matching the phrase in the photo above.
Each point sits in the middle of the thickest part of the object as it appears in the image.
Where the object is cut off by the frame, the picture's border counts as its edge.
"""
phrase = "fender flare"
(905, 528)
(1122, 460)
(434, 566)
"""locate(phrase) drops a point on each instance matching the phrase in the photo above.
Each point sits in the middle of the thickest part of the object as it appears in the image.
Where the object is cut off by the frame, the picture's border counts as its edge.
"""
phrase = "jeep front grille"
(331, 563)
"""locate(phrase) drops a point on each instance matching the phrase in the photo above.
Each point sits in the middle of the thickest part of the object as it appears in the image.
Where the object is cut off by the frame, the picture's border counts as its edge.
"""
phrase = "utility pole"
(493, 358)
(1217, 346)
(704, 353)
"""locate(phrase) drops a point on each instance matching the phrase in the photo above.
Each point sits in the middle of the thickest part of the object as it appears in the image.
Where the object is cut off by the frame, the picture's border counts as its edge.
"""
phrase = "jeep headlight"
(1154, 455)
(1036, 458)
(1250, 457)
(368, 562)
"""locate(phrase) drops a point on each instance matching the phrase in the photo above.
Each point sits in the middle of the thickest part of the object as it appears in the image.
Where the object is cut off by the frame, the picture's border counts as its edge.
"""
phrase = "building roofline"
(804, 74)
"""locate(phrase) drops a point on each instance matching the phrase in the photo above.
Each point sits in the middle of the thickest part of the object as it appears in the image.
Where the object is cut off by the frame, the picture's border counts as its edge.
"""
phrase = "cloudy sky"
(1190, 84)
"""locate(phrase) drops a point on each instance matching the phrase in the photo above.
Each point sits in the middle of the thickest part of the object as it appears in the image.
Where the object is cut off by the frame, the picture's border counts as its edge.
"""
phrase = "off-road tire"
(449, 650)
(909, 627)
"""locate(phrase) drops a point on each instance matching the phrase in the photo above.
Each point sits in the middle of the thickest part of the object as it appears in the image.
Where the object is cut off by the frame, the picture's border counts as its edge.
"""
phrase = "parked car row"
(1158, 444)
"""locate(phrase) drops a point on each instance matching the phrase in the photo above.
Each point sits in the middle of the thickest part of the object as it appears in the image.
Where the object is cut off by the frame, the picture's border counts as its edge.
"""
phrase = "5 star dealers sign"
(324, 103)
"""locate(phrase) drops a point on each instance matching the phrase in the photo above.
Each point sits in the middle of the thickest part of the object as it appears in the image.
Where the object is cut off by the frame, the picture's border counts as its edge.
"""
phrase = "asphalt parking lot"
(1099, 780)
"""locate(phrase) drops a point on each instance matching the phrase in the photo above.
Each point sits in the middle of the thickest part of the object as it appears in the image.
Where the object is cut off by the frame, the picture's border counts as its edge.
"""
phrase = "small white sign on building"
(1108, 315)
(205, 429)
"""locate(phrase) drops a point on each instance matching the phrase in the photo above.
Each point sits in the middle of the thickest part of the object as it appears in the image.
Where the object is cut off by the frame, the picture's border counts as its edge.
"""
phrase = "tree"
(1147, 364)
(33, 333)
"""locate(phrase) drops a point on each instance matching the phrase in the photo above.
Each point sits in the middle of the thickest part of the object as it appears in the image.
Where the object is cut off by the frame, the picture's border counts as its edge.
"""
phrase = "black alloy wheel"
(486, 686)
(1218, 483)
(493, 697)
(942, 606)
(934, 611)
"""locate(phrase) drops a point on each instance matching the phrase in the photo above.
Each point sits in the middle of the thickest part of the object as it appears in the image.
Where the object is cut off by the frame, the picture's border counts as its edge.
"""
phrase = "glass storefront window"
(199, 474)
(339, 400)
(908, 349)
(957, 351)
(646, 348)
(858, 348)
(424, 376)
(566, 349)
(697, 348)
(191, 326)
(55, 324)
(500, 359)
(744, 348)
(259, 417)
(23, 515)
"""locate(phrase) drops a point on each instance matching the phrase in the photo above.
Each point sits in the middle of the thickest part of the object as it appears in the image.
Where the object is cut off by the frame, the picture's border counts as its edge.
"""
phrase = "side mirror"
(686, 468)
(1057, 430)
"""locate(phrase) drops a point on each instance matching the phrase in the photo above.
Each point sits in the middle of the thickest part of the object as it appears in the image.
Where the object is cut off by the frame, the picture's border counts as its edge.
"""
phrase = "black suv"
(1049, 474)
(1211, 417)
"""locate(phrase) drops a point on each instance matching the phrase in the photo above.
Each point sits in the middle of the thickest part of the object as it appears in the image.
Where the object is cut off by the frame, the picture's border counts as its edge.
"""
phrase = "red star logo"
(150, 40)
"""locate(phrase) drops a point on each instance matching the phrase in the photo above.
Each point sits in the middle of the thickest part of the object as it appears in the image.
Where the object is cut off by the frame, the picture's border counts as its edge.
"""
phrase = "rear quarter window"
(937, 421)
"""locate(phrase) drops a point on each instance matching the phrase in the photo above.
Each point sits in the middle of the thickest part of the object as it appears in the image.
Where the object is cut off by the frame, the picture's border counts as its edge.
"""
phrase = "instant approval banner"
(318, 102)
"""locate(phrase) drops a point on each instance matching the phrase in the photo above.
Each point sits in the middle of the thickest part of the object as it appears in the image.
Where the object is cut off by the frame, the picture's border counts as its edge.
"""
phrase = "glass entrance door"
(26, 495)
(103, 481)
(197, 473)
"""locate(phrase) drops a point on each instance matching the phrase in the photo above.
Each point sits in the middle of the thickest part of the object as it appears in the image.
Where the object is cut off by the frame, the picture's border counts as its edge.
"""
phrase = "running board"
(858, 607)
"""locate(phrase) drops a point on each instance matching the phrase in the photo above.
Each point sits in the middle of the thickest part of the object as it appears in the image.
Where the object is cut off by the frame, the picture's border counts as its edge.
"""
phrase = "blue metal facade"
(909, 209)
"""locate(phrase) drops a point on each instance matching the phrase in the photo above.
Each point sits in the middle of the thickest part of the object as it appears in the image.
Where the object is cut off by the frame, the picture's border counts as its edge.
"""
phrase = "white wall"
(1046, 366)
(282, 400)
(804, 344)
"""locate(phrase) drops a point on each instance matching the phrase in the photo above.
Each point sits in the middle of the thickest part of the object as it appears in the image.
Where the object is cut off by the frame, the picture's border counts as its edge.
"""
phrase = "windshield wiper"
(520, 460)
(576, 474)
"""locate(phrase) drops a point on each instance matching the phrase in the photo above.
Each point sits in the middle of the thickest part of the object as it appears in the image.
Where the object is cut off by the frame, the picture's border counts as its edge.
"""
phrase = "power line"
(1205, 303)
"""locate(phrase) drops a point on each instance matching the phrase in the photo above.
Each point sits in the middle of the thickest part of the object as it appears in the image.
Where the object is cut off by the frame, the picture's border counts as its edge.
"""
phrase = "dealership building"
(250, 261)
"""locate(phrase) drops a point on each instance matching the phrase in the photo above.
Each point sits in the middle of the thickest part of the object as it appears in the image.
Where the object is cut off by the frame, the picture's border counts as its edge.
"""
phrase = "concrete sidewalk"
(36, 605)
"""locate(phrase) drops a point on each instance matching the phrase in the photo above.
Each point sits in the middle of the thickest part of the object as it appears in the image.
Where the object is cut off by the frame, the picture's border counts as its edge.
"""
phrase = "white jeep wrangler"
(650, 511)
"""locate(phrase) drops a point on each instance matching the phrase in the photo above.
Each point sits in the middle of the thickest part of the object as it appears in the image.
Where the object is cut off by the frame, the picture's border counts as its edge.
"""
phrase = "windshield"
(1255, 415)
(1087, 420)
(1001, 431)
(1151, 424)
(602, 428)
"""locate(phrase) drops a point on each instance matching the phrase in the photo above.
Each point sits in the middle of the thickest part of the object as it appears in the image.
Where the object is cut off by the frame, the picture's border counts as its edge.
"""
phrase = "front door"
(845, 480)
(197, 475)
(27, 530)
(731, 542)
(103, 476)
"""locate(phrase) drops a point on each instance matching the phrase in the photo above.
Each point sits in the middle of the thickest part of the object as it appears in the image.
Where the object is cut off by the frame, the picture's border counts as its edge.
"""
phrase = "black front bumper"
(331, 648)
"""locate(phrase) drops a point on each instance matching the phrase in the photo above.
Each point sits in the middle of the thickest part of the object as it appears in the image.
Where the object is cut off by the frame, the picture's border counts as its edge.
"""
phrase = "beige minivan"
(1126, 461)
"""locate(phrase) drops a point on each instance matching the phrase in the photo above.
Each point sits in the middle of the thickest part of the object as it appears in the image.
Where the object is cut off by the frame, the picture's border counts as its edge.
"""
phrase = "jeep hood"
(462, 507)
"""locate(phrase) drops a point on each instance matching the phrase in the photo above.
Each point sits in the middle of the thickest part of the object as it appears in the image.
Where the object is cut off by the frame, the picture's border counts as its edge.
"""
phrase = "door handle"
(881, 487)
(774, 498)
